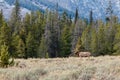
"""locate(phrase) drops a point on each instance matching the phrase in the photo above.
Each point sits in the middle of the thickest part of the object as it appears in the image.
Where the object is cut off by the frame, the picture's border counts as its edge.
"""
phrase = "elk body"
(83, 54)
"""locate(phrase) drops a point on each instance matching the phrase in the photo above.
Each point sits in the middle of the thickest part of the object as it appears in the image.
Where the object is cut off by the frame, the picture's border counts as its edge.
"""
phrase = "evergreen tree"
(27, 23)
(101, 41)
(18, 47)
(94, 43)
(64, 20)
(1, 18)
(19, 42)
(77, 32)
(23, 34)
(109, 12)
(45, 45)
(5, 36)
(86, 38)
(38, 28)
(15, 18)
(55, 34)
(39, 25)
(110, 19)
(117, 41)
(79, 47)
(76, 16)
(21, 49)
(109, 38)
(65, 42)
(5, 57)
(43, 48)
(91, 17)
(31, 46)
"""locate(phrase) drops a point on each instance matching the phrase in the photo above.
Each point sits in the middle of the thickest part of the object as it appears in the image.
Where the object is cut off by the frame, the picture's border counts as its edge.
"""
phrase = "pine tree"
(109, 38)
(39, 26)
(55, 34)
(5, 57)
(31, 46)
(94, 43)
(111, 28)
(86, 38)
(45, 45)
(1, 18)
(5, 43)
(27, 23)
(15, 19)
(64, 20)
(117, 41)
(14, 43)
(101, 41)
(21, 49)
(5, 36)
(18, 47)
(79, 47)
(43, 48)
(77, 32)
(91, 17)
(109, 12)
(65, 42)
(76, 16)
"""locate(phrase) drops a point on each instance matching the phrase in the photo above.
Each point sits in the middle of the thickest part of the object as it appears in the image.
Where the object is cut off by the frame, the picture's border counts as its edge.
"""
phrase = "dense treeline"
(52, 35)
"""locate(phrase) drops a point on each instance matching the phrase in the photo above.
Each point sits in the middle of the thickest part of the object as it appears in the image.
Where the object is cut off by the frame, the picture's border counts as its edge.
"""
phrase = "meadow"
(72, 68)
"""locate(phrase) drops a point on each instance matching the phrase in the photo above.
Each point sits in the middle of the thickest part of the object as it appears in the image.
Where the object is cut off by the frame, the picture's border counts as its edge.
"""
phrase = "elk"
(83, 54)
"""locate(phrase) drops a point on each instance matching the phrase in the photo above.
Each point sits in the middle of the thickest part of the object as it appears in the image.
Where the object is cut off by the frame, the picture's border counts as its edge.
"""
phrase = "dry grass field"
(92, 68)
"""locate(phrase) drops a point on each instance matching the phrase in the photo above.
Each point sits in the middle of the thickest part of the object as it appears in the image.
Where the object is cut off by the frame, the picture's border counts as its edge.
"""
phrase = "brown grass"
(92, 68)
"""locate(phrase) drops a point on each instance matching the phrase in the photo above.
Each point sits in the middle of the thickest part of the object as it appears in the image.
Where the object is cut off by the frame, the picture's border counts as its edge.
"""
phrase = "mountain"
(7, 9)
(85, 6)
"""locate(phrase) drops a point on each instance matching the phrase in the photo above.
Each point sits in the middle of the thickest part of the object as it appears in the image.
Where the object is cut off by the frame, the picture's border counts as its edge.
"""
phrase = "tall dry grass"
(92, 68)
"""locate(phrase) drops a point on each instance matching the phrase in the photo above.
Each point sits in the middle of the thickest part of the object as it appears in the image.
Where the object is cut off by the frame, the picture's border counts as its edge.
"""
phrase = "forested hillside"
(49, 34)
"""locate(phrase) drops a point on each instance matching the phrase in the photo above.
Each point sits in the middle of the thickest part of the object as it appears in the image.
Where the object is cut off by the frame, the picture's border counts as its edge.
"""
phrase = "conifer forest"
(52, 44)
(50, 34)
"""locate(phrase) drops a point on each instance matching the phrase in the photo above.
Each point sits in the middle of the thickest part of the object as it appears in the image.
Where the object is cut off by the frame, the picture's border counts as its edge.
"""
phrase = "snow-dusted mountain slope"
(7, 9)
(85, 6)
